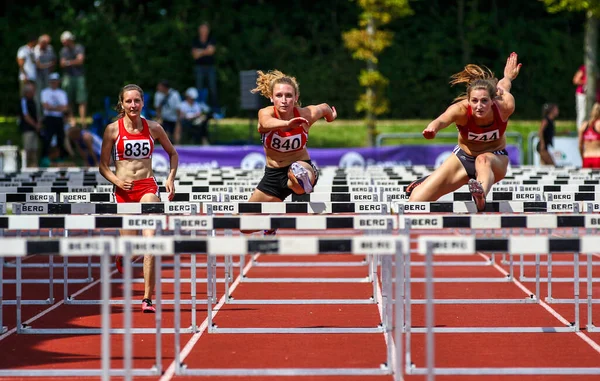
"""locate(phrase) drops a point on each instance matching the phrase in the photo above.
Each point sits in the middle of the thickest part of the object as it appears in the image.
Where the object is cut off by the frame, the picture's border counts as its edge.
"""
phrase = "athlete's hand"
(297, 122)
(126, 185)
(511, 70)
(170, 187)
(330, 118)
(429, 133)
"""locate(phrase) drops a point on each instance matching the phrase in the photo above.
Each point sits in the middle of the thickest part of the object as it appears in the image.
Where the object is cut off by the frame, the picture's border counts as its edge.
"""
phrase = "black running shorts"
(274, 181)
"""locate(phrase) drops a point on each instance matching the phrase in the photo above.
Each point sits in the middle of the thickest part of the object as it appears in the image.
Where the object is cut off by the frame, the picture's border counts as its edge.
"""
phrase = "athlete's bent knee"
(301, 173)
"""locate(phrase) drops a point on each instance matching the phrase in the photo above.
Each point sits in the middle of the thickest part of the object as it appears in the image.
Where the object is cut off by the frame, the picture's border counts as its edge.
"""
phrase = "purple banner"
(250, 157)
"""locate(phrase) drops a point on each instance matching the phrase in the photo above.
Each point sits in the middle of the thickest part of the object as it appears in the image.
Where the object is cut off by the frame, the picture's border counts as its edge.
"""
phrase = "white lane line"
(55, 306)
(170, 372)
(550, 310)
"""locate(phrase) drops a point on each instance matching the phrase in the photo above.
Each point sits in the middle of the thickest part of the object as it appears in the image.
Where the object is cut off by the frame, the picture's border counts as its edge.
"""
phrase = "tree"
(366, 44)
(592, 11)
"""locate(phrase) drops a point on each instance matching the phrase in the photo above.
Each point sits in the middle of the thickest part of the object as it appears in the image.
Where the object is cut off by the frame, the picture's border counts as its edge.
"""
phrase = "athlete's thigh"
(447, 178)
(260, 196)
(498, 164)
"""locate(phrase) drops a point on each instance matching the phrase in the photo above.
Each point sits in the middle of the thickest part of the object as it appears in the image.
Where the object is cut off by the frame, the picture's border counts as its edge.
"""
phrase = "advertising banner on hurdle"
(253, 157)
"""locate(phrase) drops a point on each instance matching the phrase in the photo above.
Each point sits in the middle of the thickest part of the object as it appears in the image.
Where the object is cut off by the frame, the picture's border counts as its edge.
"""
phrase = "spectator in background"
(86, 144)
(29, 124)
(72, 58)
(26, 62)
(45, 61)
(56, 104)
(193, 117)
(546, 133)
(203, 52)
(166, 103)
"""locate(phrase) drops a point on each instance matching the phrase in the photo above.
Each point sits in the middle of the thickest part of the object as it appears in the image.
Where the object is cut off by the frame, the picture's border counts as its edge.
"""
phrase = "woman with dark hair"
(481, 116)
(132, 138)
(546, 133)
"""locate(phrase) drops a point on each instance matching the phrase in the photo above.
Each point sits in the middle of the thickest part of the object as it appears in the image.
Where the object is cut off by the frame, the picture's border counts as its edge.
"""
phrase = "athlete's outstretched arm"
(267, 121)
(322, 110)
(511, 71)
(454, 113)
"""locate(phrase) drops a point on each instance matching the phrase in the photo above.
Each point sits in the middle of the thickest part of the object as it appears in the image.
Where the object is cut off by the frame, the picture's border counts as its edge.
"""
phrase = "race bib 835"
(136, 149)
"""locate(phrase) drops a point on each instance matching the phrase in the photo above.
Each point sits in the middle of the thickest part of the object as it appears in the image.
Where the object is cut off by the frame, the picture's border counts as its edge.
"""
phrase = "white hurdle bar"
(435, 245)
(382, 245)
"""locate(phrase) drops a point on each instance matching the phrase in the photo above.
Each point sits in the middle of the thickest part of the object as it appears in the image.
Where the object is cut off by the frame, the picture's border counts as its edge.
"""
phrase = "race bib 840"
(286, 143)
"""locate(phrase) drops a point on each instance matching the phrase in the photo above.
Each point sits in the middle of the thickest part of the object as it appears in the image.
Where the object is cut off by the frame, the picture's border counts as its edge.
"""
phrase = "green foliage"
(592, 6)
(143, 42)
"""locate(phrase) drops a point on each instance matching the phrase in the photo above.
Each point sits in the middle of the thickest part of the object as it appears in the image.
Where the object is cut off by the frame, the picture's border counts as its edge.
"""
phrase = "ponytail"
(476, 78)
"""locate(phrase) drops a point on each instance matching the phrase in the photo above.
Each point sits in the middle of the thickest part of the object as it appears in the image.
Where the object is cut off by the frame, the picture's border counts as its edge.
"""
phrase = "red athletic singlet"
(134, 146)
(473, 132)
(289, 141)
(590, 134)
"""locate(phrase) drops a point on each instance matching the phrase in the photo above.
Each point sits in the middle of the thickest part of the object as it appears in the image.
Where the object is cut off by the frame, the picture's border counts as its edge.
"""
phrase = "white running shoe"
(301, 175)
(477, 193)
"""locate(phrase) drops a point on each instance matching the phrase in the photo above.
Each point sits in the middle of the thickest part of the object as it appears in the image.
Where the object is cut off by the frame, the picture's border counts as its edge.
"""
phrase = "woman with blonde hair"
(284, 128)
(481, 116)
(132, 137)
(589, 139)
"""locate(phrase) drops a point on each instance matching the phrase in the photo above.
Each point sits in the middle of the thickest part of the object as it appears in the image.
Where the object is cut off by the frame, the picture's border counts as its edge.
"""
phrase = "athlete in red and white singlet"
(473, 132)
(589, 139)
(480, 158)
(130, 146)
(132, 138)
(284, 133)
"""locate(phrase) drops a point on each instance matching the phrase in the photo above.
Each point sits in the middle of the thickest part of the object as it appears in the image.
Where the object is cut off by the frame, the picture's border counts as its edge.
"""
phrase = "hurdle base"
(476, 301)
(382, 371)
(245, 279)
(28, 302)
(495, 329)
(503, 371)
(569, 301)
(320, 330)
(76, 372)
(73, 301)
(28, 330)
(301, 301)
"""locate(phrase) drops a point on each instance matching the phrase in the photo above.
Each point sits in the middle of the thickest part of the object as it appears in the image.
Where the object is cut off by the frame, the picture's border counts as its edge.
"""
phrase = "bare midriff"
(136, 169)
(477, 148)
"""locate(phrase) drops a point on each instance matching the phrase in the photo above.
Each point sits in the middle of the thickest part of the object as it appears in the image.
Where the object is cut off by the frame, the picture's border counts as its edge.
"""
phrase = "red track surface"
(213, 350)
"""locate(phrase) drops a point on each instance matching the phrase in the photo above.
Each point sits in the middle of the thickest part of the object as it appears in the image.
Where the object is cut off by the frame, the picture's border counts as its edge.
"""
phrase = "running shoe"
(414, 184)
(147, 306)
(477, 193)
(301, 175)
(119, 263)
(270, 232)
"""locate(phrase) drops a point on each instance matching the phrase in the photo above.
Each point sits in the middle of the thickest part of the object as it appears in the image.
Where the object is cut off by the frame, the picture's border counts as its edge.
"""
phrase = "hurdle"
(433, 245)
(160, 246)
